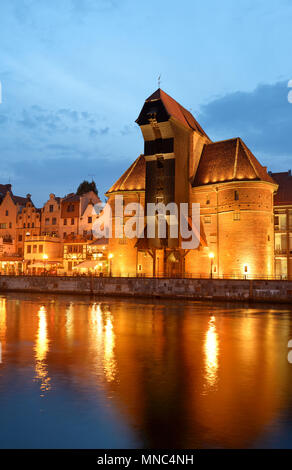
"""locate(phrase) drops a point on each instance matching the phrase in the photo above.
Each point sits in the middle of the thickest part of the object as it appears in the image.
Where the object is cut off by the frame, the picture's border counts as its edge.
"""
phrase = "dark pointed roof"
(283, 197)
(133, 179)
(176, 110)
(229, 160)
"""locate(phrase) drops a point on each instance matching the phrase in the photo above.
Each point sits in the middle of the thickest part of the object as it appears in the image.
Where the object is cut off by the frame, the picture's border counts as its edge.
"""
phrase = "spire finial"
(159, 80)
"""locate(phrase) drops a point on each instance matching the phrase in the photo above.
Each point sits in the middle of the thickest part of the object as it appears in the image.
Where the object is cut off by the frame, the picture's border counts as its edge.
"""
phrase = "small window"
(34, 248)
(6, 212)
(64, 235)
(90, 220)
(236, 195)
(32, 225)
(236, 216)
(208, 202)
(47, 221)
(269, 238)
(20, 238)
(139, 267)
(24, 225)
(10, 225)
(65, 221)
(28, 249)
(41, 248)
(72, 221)
(207, 219)
(54, 221)
(51, 209)
(28, 225)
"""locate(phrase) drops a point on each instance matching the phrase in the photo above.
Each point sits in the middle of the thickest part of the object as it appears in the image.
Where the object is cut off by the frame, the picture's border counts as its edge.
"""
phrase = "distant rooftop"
(283, 196)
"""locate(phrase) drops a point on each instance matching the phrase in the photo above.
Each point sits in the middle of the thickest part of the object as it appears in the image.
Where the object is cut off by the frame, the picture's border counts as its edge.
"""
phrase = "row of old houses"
(57, 237)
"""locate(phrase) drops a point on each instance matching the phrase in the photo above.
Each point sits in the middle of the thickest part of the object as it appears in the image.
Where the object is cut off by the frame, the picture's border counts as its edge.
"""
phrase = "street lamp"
(245, 269)
(110, 257)
(211, 256)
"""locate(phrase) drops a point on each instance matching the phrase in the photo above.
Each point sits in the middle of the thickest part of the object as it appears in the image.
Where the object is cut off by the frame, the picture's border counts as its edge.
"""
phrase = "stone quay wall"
(193, 289)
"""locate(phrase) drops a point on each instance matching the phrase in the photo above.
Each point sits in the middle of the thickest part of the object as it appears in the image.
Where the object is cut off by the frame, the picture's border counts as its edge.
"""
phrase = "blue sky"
(75, 74)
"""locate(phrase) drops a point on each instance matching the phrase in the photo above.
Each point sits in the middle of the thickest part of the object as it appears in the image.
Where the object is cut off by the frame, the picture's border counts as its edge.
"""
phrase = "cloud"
(96, 132)
(263, 118)
(61, 175)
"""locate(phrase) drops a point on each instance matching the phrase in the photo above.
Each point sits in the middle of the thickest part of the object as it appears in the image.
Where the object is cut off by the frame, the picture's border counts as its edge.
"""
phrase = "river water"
(118, 373)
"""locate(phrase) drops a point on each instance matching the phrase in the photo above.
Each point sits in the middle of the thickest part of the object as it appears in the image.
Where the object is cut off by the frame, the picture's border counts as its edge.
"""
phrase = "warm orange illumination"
(211, 354)
(110, 256)
(45, 256)
(211, 255)
(41, 350)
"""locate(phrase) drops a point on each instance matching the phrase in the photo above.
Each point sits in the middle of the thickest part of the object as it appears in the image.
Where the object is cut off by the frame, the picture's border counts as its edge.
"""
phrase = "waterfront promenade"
(276, 291)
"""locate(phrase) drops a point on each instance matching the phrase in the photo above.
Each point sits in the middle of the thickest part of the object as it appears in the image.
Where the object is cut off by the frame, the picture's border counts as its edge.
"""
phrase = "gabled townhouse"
(78, 214)
(28, 223)
(50, 216)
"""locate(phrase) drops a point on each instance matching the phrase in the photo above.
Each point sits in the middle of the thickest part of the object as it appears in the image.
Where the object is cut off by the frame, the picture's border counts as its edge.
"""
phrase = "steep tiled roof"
(3, 189)
(71, 198)
(176, 110)
(283, 196)
(19, 200)
(229, 160)
(133, 179)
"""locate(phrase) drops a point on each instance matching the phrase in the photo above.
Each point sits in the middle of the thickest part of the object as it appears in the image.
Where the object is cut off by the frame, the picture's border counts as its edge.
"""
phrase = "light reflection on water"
(41, 350)
(120, 373)
(211, 351)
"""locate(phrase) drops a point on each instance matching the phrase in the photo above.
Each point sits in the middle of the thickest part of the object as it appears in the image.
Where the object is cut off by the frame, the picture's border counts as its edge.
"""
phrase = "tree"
(85, 187)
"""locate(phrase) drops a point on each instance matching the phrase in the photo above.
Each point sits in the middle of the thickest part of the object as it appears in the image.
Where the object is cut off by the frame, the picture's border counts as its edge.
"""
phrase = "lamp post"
(110, 257)
(211, 256)
(245, 269)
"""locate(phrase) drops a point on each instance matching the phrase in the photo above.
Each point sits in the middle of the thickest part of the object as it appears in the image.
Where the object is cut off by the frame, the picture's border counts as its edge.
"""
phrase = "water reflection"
(180, 374)
(103, 341)
(41, 350)
(211, 353)
(2, 327)
(2, 319)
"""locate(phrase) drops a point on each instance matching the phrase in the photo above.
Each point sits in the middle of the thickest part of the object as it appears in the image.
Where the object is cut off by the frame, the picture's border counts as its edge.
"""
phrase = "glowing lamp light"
(211, 255)
(110, 256)
(45, 256)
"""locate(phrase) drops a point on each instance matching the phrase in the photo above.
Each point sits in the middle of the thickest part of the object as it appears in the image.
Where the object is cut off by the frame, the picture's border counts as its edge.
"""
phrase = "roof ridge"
(130, 170)
(248, 152)
(222, 141)
(236, 158)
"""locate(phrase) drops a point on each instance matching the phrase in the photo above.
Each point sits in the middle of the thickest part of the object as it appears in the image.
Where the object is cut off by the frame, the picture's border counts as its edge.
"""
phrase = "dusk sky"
(75, 74)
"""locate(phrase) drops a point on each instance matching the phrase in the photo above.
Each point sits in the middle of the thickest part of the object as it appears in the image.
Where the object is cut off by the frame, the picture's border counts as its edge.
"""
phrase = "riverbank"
(194, 289)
